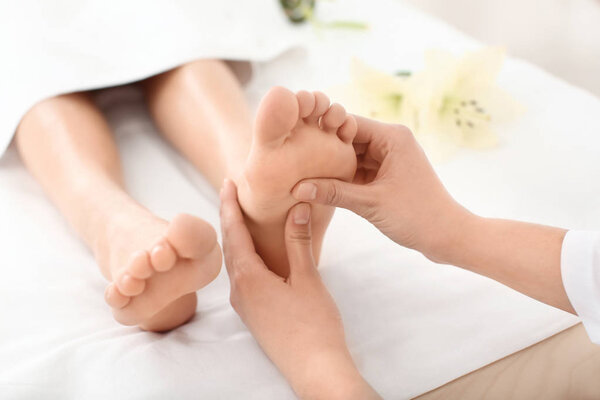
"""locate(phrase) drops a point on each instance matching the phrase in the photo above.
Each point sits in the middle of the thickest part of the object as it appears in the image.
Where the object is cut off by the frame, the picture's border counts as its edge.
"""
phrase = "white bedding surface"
(411, 325)
(49, 48)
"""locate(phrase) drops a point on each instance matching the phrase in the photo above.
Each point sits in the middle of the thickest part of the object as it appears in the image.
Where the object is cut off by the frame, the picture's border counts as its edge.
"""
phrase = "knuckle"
(240, 273)
(300, 237)
(402, 134)
(395, 130)
(399, 130)
(333, 193)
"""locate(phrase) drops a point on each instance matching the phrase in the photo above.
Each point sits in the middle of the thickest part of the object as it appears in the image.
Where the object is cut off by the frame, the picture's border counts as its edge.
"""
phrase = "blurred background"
(561, 36)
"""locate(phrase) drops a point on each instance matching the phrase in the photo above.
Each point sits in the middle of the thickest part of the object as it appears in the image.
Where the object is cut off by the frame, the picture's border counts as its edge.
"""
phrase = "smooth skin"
(397, 190)
(294, 320)
(295, 136)
(155, 266)
(67, 145)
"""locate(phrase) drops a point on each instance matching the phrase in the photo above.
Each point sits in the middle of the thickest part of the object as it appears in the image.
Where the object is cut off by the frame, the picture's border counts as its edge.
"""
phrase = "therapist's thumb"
(334, 192)
(298, 239)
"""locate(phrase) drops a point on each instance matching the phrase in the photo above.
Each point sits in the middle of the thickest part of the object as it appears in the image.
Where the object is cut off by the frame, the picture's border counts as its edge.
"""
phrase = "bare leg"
(155, 266)
(201, 109)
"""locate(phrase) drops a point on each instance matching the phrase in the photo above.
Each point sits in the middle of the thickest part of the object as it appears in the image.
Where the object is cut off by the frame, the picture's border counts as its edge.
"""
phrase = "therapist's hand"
(295, 321)
(395, 188)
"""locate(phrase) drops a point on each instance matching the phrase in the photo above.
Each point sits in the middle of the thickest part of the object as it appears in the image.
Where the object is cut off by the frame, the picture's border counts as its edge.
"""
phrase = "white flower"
(372, 93)
(457, 99)
(451, 102)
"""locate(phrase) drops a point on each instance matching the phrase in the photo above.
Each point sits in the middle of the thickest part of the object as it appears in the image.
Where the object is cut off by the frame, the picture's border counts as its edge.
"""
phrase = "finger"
(237, 242)
(367, 129)
(376, 138)
(298, 240)
(360, 148)
(368, 161)
(333, 192)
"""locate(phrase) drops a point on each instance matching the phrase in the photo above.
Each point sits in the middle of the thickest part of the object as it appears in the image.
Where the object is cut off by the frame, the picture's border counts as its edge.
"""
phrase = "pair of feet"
(158, 266)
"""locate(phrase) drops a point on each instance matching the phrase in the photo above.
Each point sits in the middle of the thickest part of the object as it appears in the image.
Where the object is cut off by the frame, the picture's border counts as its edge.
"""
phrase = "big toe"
(191, 237)
(277, 114)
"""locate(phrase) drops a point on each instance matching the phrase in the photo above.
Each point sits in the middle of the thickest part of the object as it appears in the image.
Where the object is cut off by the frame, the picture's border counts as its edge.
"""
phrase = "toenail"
(301, 214)
(306, 191)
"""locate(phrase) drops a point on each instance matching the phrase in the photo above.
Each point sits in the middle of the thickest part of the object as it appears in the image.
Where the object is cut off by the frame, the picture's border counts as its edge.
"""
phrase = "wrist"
(452, 235)
(332, 376)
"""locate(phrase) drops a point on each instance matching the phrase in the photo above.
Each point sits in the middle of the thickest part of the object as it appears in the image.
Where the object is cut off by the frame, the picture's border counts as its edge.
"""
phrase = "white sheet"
(49, 48)
(411, 325)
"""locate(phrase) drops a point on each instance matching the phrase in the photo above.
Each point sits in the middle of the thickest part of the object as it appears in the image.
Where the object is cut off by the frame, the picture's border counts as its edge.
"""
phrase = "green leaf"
(403, 73)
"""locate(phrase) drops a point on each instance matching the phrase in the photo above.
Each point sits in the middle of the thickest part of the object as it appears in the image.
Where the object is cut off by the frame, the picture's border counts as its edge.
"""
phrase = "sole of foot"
(296, 136)
(156, 289)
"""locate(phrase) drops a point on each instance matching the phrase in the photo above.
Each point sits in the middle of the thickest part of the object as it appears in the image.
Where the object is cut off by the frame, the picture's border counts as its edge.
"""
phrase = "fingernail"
(306, 191)
(301, 214)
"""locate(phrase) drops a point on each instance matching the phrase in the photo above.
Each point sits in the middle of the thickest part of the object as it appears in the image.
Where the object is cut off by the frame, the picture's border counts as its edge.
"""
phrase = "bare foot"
(156, 268)
(296, 136)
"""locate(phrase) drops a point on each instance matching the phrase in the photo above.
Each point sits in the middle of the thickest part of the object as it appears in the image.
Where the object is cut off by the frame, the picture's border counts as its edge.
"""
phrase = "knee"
(201, 64)
(180, 78)
(49, 109)
(197, 69)
(46, 114)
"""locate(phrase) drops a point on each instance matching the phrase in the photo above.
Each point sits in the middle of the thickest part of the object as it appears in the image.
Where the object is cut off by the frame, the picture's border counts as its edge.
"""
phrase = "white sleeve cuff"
(580, 268)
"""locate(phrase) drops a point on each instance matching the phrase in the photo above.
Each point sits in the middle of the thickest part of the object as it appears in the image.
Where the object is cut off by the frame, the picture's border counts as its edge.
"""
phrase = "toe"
(163, 256)
(140, 266)
(276, 115)
(114, 297)
(191, 237)
(130, 286)
(321, 105)
(347, 131)
(306, 102)
(333, 118)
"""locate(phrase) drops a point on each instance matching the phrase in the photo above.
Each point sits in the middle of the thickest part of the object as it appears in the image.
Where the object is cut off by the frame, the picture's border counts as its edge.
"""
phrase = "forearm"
(521, 255)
